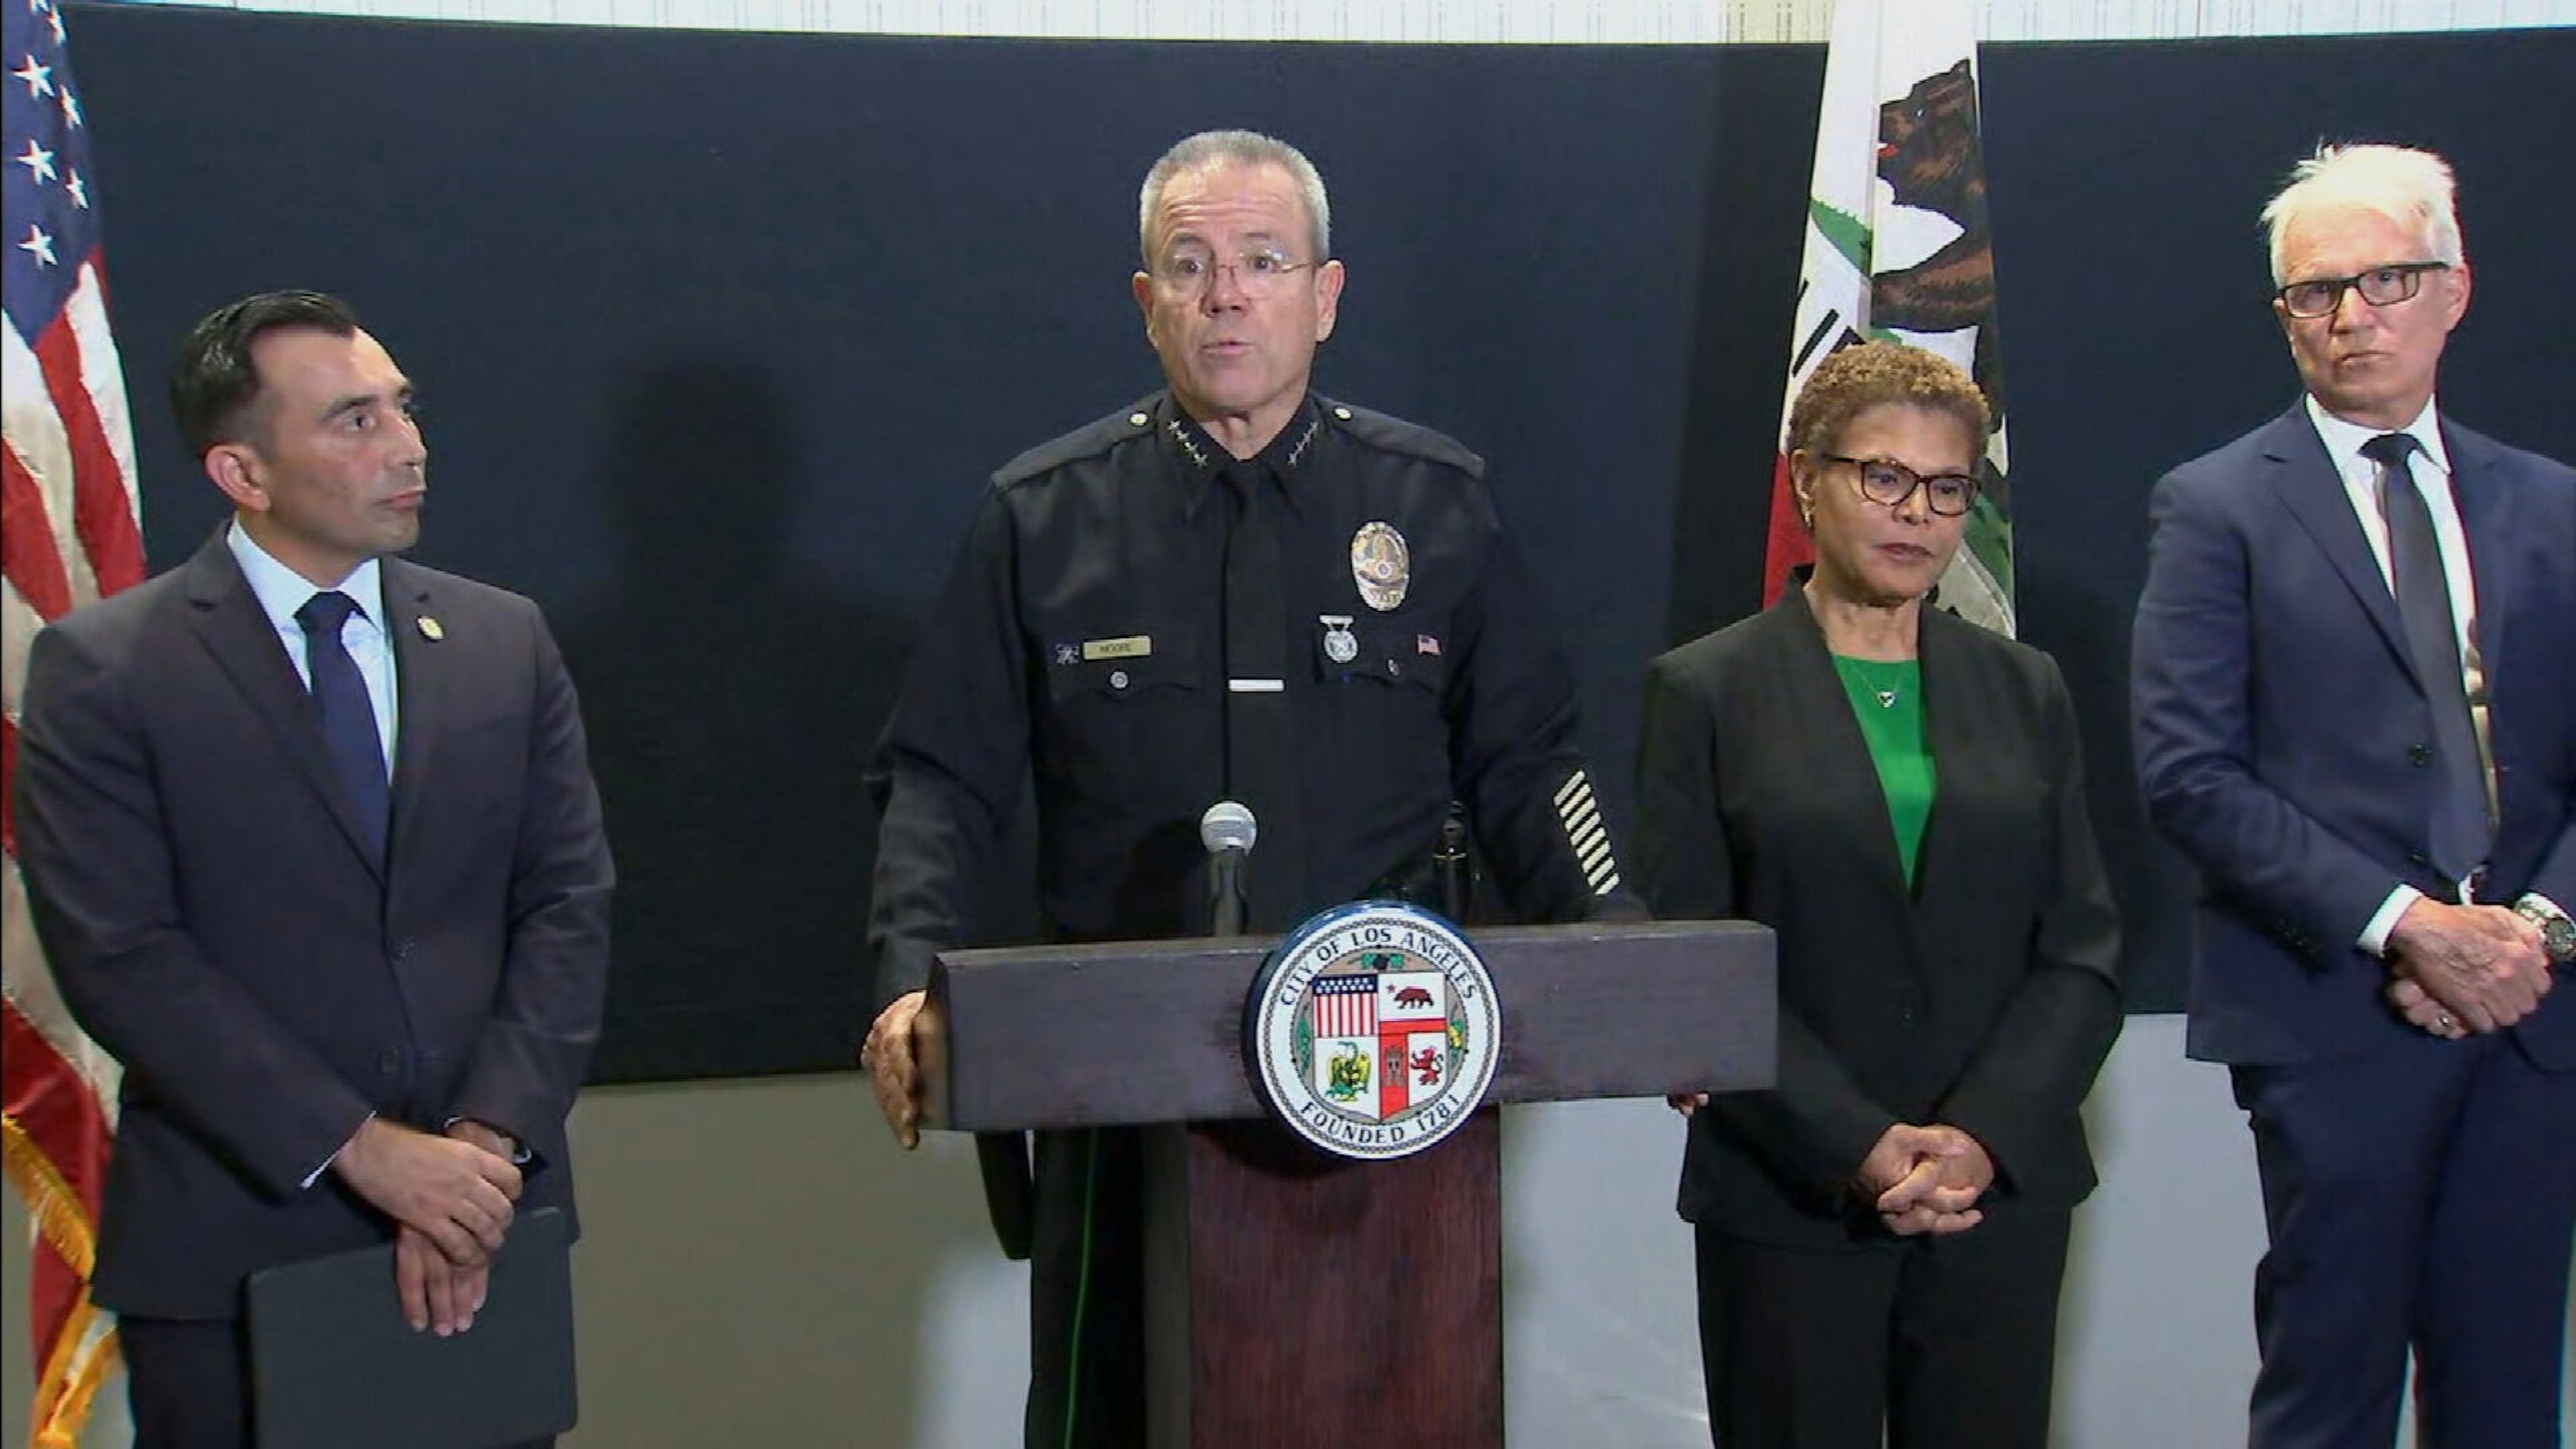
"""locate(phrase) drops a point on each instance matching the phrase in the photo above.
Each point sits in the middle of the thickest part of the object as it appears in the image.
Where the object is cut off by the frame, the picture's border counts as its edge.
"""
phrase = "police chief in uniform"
(1234, 589)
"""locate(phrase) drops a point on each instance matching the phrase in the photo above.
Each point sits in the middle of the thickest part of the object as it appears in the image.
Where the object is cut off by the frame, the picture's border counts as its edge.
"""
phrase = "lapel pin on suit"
(431, 629)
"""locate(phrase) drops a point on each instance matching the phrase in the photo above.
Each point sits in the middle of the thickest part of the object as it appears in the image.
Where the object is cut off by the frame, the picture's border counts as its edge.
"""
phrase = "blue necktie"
(2459, 824)
(348, 717)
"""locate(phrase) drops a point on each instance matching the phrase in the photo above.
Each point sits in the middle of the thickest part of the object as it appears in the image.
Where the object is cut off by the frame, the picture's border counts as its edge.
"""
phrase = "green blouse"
(1887, 698)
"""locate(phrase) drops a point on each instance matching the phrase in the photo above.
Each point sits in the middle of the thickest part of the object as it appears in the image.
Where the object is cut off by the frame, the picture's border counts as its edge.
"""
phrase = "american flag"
(69, 532)
(1346, 1006)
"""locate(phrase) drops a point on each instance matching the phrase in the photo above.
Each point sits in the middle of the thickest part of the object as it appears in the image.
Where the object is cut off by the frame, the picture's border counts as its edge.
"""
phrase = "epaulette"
(1395, 435)
(1088, 441)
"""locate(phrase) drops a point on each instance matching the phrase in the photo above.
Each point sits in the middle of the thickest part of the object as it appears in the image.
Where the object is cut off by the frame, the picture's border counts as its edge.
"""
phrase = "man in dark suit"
(2355, 708)
(312, 845)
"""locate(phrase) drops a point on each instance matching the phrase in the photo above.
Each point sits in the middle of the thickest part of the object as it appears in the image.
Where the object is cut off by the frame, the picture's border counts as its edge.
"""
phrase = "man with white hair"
(2354, 698)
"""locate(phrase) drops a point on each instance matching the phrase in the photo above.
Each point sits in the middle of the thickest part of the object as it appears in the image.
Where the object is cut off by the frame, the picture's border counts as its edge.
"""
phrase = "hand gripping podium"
(1295, 1298)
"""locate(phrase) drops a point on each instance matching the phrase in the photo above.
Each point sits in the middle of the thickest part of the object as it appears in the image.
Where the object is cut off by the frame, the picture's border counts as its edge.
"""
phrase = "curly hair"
(1859, 378)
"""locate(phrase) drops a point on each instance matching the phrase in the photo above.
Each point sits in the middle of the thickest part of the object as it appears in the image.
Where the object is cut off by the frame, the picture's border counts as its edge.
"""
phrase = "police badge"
(1381, 565)
(1373, 1030)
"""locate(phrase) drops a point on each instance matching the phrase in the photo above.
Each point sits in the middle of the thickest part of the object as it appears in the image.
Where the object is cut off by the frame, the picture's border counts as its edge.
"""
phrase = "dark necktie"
(1260, 754)
(2459, 825)
(348, 718)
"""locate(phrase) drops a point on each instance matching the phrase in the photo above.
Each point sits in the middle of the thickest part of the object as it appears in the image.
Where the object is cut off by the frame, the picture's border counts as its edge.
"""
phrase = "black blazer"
(1986, 997)
(216, 926)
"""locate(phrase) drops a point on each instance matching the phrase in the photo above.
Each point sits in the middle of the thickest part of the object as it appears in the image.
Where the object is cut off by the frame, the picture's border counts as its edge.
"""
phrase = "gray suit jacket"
(215, 924)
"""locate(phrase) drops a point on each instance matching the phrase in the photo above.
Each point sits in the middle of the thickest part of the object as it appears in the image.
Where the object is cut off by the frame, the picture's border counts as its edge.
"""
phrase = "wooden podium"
(1295, 1298)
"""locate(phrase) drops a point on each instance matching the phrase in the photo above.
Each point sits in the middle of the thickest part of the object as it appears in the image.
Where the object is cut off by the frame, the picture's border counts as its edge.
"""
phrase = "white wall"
(763, 1268)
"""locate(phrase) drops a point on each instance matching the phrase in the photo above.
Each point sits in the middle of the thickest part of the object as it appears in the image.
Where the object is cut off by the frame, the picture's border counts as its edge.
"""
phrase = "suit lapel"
(422, 672)
(2303, 476)
(1847, 774)
(234, 629)
(1951, 729)
(2486, 507)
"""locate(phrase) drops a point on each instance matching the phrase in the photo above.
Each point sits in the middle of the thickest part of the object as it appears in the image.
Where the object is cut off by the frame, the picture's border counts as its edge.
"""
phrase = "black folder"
(334, 1365)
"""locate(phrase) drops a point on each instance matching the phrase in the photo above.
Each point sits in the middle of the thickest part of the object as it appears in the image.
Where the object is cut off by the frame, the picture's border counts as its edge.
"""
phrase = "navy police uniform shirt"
(1081, 637)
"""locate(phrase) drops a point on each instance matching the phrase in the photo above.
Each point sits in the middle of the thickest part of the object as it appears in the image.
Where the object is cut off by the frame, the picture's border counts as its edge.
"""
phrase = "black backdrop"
(719, 334)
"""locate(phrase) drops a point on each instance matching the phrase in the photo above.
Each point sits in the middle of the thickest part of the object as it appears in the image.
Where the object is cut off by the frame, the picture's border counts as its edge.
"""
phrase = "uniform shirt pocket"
(1110, 717)
(1125, 667)
(1387, 651)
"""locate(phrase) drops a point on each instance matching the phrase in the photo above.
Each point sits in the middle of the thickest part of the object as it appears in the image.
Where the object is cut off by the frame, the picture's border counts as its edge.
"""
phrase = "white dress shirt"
(281, 591)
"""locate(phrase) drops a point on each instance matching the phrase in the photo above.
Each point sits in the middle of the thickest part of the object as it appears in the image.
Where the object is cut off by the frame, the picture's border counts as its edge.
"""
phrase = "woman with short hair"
(1899, 795)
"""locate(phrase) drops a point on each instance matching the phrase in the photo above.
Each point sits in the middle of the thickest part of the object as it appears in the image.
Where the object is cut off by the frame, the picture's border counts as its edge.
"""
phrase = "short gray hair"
(1239, 148)
(2412, 188)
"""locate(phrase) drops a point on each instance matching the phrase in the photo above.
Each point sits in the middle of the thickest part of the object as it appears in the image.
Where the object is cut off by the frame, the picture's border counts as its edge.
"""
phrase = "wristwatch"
(2557, 930)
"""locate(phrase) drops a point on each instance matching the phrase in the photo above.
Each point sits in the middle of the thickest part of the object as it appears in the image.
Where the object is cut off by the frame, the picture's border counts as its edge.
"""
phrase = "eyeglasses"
(1258, 274)
(1889, 484)
(2380, 287)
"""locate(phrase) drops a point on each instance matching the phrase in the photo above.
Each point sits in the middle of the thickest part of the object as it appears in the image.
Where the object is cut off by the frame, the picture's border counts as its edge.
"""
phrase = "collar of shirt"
(281, 591)
(2429, 465)
(1200, 463)
(2430, 470)
(2343, 442)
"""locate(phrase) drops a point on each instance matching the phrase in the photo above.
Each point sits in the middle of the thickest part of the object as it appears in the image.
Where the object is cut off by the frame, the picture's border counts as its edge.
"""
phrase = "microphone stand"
(1226, 893)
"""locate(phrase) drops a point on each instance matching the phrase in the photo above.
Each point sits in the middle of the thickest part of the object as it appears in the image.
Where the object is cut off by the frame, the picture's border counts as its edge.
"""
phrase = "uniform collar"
(1200, 463)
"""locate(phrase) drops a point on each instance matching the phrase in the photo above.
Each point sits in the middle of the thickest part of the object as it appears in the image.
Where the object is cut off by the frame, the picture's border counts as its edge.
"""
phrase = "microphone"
(1450, 870)
(1227, 830)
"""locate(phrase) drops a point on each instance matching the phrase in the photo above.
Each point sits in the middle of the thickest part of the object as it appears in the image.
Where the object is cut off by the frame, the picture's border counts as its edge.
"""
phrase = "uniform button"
(1395, 669)
(2419, 754)
(1118, 679)
(1342, 413)
(389, 1061)
(1137, 420)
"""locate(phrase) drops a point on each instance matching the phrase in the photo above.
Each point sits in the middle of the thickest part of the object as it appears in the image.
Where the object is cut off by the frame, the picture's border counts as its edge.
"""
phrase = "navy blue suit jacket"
(215, 924)
(2285, 743)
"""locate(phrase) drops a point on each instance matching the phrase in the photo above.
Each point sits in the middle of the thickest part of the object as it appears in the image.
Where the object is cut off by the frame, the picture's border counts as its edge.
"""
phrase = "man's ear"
(1329, 279)
(235, 470)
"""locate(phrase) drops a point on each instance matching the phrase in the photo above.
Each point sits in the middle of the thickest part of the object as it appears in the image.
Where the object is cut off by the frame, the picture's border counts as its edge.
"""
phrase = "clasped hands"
(451, 1197)
(1920, 1179)
(1926, 1179)
(2455, 970)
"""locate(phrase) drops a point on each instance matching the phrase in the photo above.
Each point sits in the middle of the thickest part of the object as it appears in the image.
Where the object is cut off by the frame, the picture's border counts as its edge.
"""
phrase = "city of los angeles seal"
(1373, 1030)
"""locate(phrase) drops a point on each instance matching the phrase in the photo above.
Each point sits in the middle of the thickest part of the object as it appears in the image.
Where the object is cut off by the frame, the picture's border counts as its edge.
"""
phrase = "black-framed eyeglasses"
(1261, 272)
(1888, 483)
(2380, 287)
